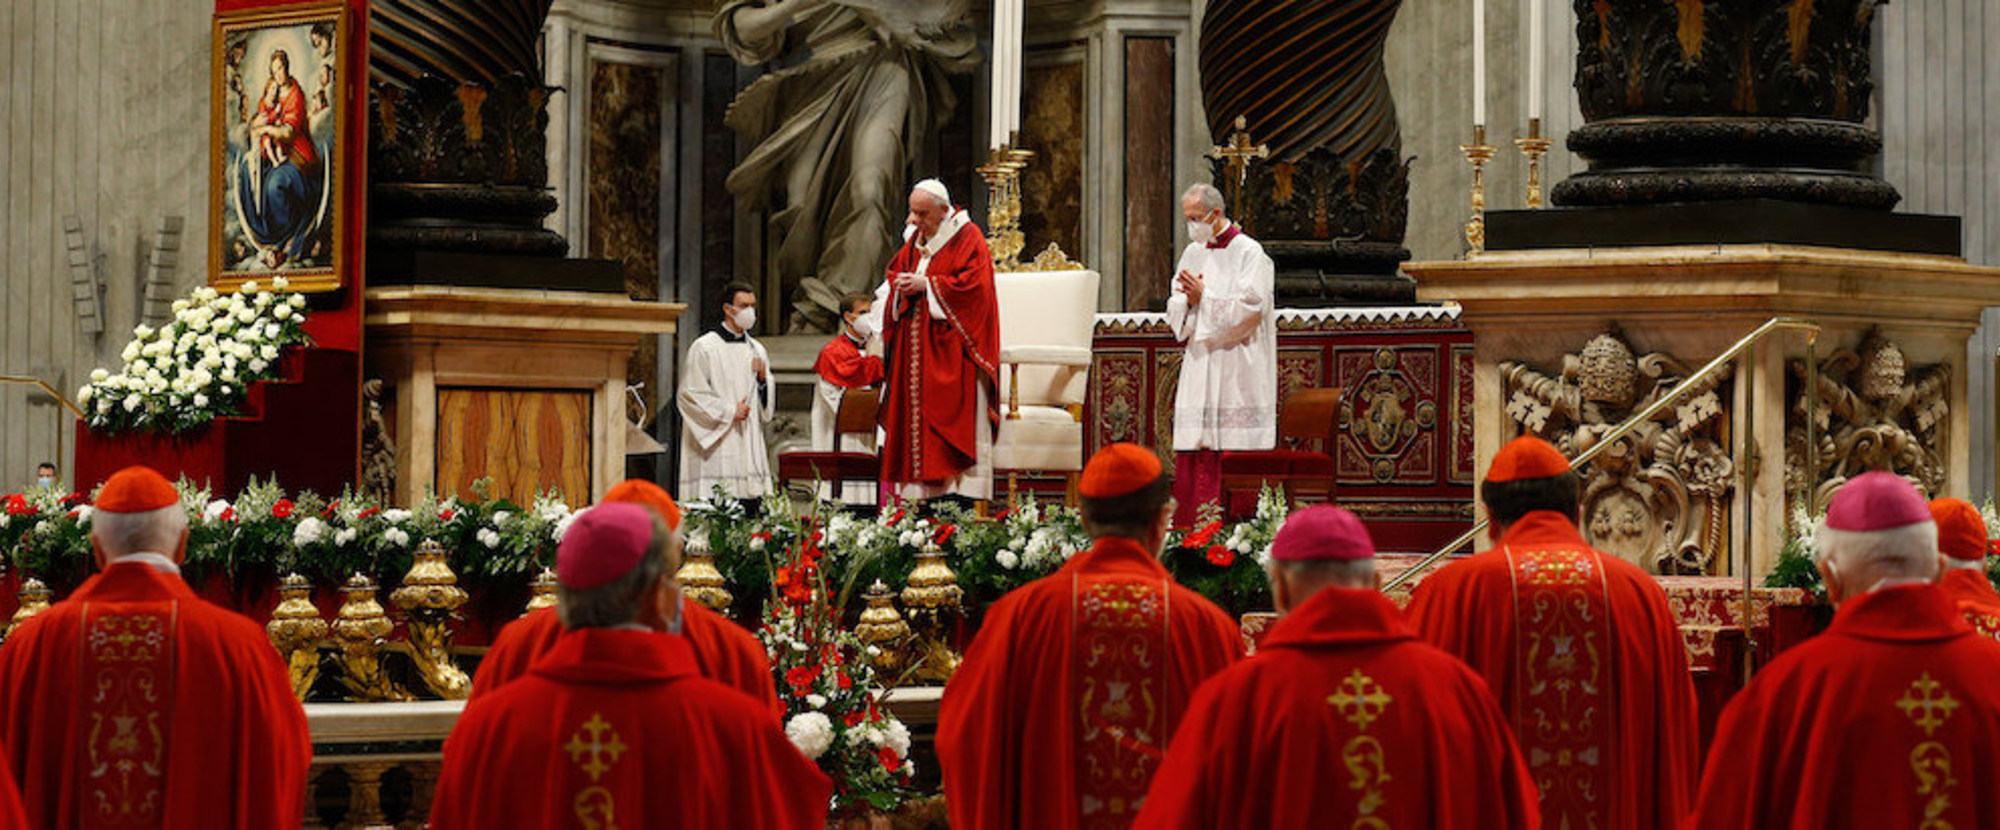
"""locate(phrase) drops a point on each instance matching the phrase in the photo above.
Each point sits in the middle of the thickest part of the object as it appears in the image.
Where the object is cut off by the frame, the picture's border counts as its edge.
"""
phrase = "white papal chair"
(1046, 322)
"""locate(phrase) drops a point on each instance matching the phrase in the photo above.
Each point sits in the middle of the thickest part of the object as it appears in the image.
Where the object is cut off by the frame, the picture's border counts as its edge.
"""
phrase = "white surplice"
(825, 416)
(1228, 393)
(717, 449)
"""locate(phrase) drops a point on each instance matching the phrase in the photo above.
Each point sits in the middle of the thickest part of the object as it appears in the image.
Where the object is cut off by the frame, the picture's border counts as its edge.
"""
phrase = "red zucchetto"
(1526, 457)
(1119, 470)
(136, 490)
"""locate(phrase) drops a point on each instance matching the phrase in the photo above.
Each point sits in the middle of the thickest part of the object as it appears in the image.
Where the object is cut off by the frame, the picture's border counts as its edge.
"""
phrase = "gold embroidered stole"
(1120, 665)
(128, 664)
(1563, 681)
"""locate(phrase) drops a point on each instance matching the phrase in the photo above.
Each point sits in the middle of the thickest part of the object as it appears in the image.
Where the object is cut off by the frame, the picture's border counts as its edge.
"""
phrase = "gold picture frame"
(277, 161)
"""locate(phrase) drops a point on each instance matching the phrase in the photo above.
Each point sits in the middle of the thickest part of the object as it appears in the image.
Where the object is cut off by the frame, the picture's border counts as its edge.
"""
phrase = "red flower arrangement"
(282, 509)
(1220, 556)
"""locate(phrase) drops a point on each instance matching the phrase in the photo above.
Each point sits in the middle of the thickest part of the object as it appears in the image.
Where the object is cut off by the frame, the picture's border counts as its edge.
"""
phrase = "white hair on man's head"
(1910, 550)
(153, 531)
(934, 189)
(1205, 193)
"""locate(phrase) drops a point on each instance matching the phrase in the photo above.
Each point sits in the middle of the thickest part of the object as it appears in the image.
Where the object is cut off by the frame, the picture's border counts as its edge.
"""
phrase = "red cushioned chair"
(1302, 462)
(855, 416)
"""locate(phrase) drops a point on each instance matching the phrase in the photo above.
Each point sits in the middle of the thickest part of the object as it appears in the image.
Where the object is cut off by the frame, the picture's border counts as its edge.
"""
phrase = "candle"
(1538, 14)
(996, 120)
(1013, 102)
(1479, 62)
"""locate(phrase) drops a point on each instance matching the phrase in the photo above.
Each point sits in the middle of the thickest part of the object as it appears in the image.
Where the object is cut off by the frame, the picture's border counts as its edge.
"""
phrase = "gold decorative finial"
(430, 599)
(359, 630)
(699, 578)
(34, 598)
(883, 629)
(1235, 157)
(544, 588)
(297, 630)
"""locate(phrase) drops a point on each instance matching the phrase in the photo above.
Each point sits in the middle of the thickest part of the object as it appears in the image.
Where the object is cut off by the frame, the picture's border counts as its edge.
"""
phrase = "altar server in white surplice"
(726, 398)
(1221, 308)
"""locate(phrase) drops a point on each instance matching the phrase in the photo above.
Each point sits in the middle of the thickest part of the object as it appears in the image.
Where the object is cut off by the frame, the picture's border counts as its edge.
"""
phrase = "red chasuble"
(1066, 700)
(935, 367)
(617, 728)
(1343, 718)
(843, 364)
(135, 704)
(723, 652)
(1890, 718)
(1585, 657)
(1973, 593)
(11, 812)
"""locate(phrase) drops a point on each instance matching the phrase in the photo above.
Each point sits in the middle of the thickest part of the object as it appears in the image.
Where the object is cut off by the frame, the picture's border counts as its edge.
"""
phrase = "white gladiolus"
(811, 732)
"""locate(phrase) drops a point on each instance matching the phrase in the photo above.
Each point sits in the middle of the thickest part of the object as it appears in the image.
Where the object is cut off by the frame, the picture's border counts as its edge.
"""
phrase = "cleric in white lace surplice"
(1228, 394)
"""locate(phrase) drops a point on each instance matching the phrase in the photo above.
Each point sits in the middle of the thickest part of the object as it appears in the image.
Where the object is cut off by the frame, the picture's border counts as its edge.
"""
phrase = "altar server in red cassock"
(1066, 700)
(615, 726)
(723, 650)
(1578, 645)
(941, 344)
(844, 363)
(133, 703)
(1889, 718)
(1962, 540)
(1343, 718)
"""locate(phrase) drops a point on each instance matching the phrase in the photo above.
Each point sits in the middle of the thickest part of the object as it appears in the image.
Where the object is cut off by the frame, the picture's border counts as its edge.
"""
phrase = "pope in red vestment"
(1578, 645)
(1962, 540)
(1067, 698)
(615, 726)
(1889, 718)
(941, 339)
(1343, 718)
(722, 650)
(134, 703)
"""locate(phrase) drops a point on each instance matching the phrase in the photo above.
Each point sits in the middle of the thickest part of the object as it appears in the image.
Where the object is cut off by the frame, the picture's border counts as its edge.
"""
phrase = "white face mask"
(46, 482)
(745, 318)
(1201, 232)
(861, 327)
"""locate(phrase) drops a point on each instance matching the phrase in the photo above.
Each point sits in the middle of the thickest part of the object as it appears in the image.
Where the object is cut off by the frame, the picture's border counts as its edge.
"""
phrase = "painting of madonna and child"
(276, 145)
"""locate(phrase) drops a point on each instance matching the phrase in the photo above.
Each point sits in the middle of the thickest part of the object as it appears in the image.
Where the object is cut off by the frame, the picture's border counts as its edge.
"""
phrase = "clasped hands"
(907, 283)
(1191, 285)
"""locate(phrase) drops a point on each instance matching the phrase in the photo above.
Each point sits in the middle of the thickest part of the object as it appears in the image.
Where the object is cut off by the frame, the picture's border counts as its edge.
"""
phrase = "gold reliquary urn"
(700, 580)
(933, 596)
(359, 630)
(430, 599)
(883, 632)
(297, 630)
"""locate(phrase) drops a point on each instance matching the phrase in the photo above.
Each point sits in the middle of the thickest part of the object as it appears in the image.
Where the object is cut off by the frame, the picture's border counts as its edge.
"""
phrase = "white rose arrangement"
(198, 367)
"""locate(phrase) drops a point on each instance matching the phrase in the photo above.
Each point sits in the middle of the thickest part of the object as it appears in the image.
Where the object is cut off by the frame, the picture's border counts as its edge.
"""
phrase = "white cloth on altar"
(1228, 393)
(717, 449)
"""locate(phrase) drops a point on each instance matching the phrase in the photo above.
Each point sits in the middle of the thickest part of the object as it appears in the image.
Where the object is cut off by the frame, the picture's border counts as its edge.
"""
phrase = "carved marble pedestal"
(525, 386)
(1896, 400)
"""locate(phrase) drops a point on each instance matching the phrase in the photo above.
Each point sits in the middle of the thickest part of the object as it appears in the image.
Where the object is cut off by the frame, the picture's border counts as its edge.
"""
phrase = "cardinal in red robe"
(721, 649)
(1343, 718)
(941, 338)
(1578, 645)
(1067, 698)
(1889, 718)
(134, 703)
(1962, 540)
(615, 726)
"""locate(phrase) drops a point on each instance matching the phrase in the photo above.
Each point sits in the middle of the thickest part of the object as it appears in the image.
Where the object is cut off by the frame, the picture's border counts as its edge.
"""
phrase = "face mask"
(1201, 232)
(860, 327)
(746, 318)
(46, 482)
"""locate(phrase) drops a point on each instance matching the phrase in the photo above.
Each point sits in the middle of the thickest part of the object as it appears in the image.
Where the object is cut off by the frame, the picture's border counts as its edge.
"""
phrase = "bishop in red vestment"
(1889, 718)
(941, 338)
(1343, 718)
(721, 649)
(1578, 645)
(134, 703)
(1962, 540)
(615, 726)
(1066, 700)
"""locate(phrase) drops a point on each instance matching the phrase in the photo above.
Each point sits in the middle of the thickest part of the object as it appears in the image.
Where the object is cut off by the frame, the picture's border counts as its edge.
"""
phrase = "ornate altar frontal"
(1403, 443)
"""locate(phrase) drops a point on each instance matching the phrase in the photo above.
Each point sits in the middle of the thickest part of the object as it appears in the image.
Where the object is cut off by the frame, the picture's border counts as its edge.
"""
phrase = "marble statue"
(852, 90)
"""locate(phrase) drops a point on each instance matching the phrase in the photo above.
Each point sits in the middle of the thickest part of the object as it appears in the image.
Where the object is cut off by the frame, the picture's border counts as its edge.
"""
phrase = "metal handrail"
(46, 388)
(1642, 416)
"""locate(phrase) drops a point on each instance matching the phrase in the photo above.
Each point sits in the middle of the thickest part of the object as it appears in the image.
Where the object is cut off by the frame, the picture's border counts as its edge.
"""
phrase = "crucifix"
(1235, 157)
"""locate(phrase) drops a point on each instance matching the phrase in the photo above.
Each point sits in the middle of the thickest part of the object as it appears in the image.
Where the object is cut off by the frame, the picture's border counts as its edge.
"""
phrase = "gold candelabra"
(1478, 152)
(1534, 147)
(430, 599)
(297, 630)
(932, 596)
(1002, 173)
(544, 592)
(359, 630)
(34, 597)
(883, 630)
(700, 580)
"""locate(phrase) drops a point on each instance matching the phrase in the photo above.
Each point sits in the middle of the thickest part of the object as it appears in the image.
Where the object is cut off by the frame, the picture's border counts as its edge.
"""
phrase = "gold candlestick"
(1534, 147)
(430, 599)
(1478, 152)
(544, 592)
(359, 630)
(1002, 174)
(297, 630)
